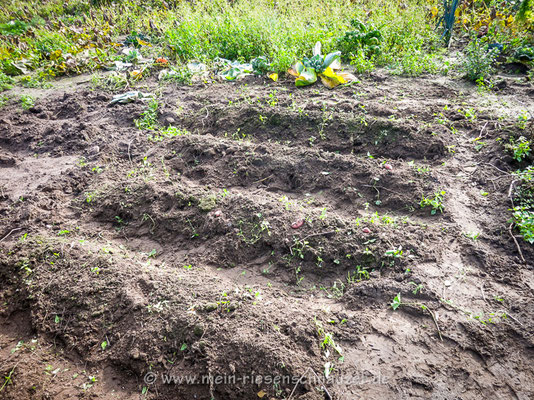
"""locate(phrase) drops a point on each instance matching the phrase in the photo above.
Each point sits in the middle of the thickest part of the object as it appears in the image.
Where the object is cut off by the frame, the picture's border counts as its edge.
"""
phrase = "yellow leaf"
(136, 74)
(55, 54)
(261, 394)
(142, 42)
(274, 76)
(330, 83)
(457, 12)
(434, 11)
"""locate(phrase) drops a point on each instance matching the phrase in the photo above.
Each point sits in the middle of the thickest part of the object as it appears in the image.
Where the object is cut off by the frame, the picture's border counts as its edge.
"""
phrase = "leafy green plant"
(472, 235)
(522, 120)
(479, 60)
(326, 67)
(524, 54)
(520, 148)
(435, 202)
(523, 218)
(14, 28)
(261, 65)
(396, 252)
(6, 82)
(523, 210)
(149, 117)
(26, 102)
(181, 74)
(363, 38)
(526, 10)
(136, 40)
(30, 81)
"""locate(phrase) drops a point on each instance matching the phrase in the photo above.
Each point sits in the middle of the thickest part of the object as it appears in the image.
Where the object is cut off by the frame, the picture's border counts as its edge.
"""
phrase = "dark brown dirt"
(124, 254)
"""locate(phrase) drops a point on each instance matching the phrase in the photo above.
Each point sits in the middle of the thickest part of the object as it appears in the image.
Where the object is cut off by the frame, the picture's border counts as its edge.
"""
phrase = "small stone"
(94, 150)
(198, 330)
(211, 307)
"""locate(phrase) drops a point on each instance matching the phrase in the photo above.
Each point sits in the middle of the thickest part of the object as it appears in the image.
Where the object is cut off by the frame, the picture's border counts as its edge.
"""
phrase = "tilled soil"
(263, 241)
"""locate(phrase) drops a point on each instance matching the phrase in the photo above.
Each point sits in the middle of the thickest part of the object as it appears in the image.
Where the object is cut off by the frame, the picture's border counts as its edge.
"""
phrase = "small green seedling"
(435, 202)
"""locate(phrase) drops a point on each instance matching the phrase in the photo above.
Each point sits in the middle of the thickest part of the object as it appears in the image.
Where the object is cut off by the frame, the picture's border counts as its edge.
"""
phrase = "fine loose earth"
(266, 237)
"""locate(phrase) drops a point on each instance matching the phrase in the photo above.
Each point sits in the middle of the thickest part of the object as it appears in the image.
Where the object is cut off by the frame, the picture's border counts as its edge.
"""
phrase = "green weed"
(112, 81)
(149, 117)
(520, 148)
(435, 202)
(26, 102)
(479, 60)
(6, 82)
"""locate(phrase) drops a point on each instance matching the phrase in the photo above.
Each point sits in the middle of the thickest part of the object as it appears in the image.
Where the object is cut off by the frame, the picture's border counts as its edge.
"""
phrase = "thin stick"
(319, 234)
(424, 307)
(498, 169)
(264, 179)
(318, 380)
(516, 242)
(435, 323)
(482, 130)
(10, 232)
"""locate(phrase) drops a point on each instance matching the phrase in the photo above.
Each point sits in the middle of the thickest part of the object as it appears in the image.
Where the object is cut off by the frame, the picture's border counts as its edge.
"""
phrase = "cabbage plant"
(326, 67)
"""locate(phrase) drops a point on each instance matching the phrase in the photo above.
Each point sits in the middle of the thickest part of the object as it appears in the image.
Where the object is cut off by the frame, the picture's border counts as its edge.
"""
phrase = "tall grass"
(184, 30)
(287, 30)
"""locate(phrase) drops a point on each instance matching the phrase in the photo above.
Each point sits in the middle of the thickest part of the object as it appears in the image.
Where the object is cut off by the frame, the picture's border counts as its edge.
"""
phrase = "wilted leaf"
(330, 79)
(291, 71)
(128, 97)
(347, 76)
(56, 54)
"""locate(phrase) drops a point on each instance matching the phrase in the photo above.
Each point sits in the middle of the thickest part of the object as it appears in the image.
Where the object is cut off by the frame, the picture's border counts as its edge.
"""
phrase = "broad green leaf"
(299, 67)
(307, 77)
(330, 58)
(231, 74)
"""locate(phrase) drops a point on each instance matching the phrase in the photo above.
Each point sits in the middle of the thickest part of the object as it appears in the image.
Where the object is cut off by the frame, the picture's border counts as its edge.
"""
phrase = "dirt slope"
(183, 255)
